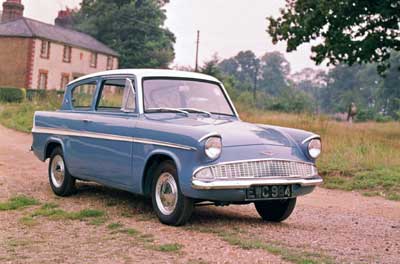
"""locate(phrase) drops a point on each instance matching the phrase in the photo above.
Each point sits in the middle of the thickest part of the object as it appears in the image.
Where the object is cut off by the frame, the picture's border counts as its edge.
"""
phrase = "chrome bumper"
(246, 183)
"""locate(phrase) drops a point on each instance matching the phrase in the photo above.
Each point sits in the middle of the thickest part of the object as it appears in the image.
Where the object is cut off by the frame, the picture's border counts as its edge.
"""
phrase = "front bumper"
(247, 183)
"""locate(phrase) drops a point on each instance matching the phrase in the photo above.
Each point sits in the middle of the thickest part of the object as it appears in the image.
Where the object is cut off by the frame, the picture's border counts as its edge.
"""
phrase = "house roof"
(29, 28)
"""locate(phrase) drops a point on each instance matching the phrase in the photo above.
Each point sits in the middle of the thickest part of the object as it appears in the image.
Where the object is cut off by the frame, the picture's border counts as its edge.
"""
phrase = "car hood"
(234, 132)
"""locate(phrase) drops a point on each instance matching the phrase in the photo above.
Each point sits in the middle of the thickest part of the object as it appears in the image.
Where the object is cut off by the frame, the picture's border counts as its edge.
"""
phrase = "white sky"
(226, 27)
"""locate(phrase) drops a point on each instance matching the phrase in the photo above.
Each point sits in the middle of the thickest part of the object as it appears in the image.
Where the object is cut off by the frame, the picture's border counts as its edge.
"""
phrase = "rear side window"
(82, 95)
(117, 95)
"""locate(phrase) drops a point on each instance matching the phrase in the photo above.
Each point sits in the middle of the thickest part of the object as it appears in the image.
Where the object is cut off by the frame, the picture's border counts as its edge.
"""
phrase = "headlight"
(314, 148)
(213, 147)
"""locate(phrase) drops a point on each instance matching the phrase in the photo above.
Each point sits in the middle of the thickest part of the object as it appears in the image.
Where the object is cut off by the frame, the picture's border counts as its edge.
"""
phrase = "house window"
(64, 80)
(67, 53)
(93, 60)
(110, 63)
(45, 49)
(42, 82)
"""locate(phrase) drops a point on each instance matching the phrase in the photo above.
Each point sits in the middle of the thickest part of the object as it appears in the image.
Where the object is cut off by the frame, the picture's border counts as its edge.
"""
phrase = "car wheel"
(170, 205)
(61, 182)
(275, 210)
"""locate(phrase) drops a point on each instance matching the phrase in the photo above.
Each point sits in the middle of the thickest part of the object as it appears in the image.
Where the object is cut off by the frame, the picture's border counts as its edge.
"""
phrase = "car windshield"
(184, 95)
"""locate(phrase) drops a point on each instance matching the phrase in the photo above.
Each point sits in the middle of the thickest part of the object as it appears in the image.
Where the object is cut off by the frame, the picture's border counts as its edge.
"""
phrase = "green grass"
(174, 247)
(18, 202)
(114, 226)
(380, 181)
(20, 116)
(54, 213)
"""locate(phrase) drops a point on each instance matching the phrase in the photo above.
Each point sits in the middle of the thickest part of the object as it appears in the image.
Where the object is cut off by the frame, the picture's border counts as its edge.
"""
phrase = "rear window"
(82, 95)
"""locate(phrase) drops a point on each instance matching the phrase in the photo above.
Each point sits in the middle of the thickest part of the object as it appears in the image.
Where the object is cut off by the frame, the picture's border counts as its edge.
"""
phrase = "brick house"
(37, 55)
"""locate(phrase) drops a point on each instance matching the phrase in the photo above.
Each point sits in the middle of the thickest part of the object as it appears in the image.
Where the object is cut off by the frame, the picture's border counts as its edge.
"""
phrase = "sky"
(226, 27)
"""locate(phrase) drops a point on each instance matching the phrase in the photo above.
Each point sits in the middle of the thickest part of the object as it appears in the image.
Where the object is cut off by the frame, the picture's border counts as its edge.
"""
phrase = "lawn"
(358, 156)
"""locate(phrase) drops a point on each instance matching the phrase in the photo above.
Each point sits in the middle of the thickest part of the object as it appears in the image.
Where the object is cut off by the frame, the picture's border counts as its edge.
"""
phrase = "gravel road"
(328, 225)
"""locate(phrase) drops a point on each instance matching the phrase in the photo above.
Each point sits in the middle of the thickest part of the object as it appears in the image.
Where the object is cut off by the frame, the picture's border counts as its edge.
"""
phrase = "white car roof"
(142, 73)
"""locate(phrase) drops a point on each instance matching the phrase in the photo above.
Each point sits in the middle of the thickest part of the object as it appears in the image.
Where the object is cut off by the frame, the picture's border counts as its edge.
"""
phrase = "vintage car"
(176, 137)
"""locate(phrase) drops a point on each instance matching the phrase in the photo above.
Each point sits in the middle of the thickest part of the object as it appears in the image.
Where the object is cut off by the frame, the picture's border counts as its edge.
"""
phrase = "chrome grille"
(263, 169)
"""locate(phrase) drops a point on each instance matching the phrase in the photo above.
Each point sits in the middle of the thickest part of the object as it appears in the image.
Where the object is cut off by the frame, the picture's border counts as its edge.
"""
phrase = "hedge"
(12, 95)
(32, 94)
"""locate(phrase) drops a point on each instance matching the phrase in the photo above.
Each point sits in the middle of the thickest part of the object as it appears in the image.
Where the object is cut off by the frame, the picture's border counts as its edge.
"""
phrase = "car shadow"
(142, 207)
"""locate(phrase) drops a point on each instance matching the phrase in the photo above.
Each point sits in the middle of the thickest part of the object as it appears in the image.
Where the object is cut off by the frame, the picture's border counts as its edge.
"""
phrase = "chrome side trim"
(74, 133)
(162, 143)
(310, 138)
(212, 134)
(243, 184)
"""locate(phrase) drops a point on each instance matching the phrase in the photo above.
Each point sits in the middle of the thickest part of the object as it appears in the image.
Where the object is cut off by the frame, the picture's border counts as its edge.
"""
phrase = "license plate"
(269, 192)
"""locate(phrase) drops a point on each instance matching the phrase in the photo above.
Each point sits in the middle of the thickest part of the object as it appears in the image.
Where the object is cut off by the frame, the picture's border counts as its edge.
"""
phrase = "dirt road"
(327, 226)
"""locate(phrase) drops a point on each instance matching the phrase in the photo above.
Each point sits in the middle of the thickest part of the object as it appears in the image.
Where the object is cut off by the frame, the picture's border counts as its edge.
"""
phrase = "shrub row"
(17, 95)
(32, 94)
(12, 95)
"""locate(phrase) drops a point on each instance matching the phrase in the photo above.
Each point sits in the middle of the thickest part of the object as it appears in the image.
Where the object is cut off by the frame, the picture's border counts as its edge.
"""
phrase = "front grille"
(263, 169)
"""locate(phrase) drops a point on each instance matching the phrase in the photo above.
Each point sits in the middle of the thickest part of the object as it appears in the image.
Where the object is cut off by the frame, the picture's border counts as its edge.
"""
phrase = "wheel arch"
(51, 144)
(154, 159)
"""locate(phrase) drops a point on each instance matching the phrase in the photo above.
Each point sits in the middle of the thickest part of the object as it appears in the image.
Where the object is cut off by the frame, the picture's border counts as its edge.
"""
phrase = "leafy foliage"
(134, 28)
(12, 95)
(352, 31)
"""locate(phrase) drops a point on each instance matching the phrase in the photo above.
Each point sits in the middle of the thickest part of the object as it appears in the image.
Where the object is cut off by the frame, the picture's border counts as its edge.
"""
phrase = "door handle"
(87, 121)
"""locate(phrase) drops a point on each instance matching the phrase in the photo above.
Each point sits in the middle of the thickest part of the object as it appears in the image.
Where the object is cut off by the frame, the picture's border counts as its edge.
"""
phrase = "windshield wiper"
(196, 111)
(167, 109)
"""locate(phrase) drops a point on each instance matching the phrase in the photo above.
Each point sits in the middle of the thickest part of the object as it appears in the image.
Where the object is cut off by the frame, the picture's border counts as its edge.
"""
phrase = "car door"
(74, 121)
(111, 130)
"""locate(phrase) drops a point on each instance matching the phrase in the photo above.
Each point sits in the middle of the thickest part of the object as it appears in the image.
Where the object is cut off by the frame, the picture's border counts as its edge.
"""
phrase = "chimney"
(12, 10)
(64, 18)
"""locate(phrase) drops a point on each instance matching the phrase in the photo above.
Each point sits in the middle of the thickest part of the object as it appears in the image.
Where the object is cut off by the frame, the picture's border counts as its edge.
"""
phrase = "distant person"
(352, 112)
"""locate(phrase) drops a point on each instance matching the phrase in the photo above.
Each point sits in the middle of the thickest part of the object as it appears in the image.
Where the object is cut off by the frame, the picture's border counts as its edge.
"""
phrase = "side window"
(117, 95)
(82, 95)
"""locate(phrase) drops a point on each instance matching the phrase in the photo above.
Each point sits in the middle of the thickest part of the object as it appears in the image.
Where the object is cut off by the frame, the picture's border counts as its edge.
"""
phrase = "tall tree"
(275, 70)
(244, 66)
(391, 91)
(134, 28)
(348, 31)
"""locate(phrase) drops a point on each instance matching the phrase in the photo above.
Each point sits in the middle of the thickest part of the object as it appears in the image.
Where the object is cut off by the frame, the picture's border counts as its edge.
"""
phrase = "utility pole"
(196, 68)
(256, 69)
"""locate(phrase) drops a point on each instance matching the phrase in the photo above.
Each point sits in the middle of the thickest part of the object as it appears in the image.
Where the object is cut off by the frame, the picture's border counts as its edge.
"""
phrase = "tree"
(275, 70)
(244, 66)
(134, 28)
(350, 31)
(391, 91)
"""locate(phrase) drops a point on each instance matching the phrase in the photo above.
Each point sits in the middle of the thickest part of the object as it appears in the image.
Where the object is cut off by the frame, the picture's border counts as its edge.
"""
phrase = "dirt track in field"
(331, 225)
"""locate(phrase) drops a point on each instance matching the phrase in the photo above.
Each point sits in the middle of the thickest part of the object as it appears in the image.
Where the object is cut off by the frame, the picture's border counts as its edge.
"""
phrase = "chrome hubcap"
(57, 171)
(166, 193)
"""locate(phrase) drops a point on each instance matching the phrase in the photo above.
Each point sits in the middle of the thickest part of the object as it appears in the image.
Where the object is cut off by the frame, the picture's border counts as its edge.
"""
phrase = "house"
(37, 55)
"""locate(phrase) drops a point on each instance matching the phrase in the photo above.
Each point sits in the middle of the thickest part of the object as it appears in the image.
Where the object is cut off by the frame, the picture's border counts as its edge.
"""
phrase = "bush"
(35, 94)
(364, 115)
(12, 95)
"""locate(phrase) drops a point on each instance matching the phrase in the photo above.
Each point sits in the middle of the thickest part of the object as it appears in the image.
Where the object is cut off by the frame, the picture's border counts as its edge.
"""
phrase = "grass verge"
(380, 181)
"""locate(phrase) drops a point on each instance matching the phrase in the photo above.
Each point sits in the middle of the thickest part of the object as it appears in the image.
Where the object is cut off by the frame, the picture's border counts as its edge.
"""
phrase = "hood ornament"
(267, 153)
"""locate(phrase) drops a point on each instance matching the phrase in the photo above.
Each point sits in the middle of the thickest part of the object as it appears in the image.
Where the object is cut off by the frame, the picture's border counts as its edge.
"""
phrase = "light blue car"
(174, 136)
